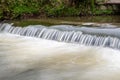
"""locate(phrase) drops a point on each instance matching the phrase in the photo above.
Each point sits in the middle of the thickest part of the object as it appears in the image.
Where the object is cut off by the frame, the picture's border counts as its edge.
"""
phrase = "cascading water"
(69, 34)
(59, 53)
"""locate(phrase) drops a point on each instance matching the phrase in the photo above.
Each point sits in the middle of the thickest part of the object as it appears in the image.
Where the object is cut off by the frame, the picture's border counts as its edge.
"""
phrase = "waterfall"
(105, 37)
(56, 53)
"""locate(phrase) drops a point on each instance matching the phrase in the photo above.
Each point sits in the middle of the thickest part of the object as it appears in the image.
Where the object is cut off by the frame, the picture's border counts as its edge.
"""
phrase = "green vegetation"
(107, 12)
(17, 9)
(10, 9)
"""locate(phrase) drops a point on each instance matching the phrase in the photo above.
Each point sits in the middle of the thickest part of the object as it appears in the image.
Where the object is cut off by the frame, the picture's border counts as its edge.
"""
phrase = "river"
(60, 52)
(67, 20)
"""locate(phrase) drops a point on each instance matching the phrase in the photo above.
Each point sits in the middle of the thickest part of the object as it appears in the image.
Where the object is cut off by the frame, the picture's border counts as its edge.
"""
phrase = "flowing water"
(59, 53)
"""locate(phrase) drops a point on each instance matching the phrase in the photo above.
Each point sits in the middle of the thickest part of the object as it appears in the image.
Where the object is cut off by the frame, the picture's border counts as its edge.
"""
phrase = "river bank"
(25, 9)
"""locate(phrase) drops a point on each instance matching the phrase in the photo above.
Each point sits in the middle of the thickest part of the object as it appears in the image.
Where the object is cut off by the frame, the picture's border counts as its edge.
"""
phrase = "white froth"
(27, 58)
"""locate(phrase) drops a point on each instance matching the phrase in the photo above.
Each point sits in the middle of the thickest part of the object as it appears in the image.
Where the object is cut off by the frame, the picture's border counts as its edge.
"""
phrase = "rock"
(102, 7)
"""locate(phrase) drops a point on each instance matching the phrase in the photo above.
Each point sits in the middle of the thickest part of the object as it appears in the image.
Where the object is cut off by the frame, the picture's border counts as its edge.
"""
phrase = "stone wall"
(102, 6)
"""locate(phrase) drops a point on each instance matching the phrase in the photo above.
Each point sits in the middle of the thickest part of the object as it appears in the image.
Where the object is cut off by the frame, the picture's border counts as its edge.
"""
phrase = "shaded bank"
(22, 9)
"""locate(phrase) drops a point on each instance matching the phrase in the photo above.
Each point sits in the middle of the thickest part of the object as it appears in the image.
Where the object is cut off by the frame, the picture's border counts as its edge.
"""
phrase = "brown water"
(68, 20)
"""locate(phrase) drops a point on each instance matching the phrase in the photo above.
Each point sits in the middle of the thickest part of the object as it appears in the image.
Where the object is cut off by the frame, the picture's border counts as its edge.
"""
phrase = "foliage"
(61, 11)
(15, 8)
(105, 12)
(12, 9)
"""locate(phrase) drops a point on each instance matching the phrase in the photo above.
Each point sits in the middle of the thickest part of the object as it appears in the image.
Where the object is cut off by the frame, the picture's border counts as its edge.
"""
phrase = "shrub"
(13, 8)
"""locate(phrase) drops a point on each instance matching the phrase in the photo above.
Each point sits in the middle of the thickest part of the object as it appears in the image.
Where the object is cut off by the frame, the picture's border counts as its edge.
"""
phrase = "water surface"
(27, 58)
(68, 20)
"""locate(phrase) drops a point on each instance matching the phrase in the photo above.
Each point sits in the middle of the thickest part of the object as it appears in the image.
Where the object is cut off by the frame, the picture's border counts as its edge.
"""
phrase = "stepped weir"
(104, 37)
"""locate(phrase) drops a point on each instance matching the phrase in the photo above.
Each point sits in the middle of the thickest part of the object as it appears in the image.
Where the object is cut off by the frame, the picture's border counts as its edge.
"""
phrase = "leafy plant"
(12, 9)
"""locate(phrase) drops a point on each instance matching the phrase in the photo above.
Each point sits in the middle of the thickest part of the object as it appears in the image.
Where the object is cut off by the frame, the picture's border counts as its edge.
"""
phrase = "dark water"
(67, 20)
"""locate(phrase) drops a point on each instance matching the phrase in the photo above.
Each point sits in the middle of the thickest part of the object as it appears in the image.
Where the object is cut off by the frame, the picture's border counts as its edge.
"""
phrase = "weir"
(105, 37)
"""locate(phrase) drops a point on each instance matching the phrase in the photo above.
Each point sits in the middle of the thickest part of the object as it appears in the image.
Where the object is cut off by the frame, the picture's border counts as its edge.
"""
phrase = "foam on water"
(27, 58)
(105, 37)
